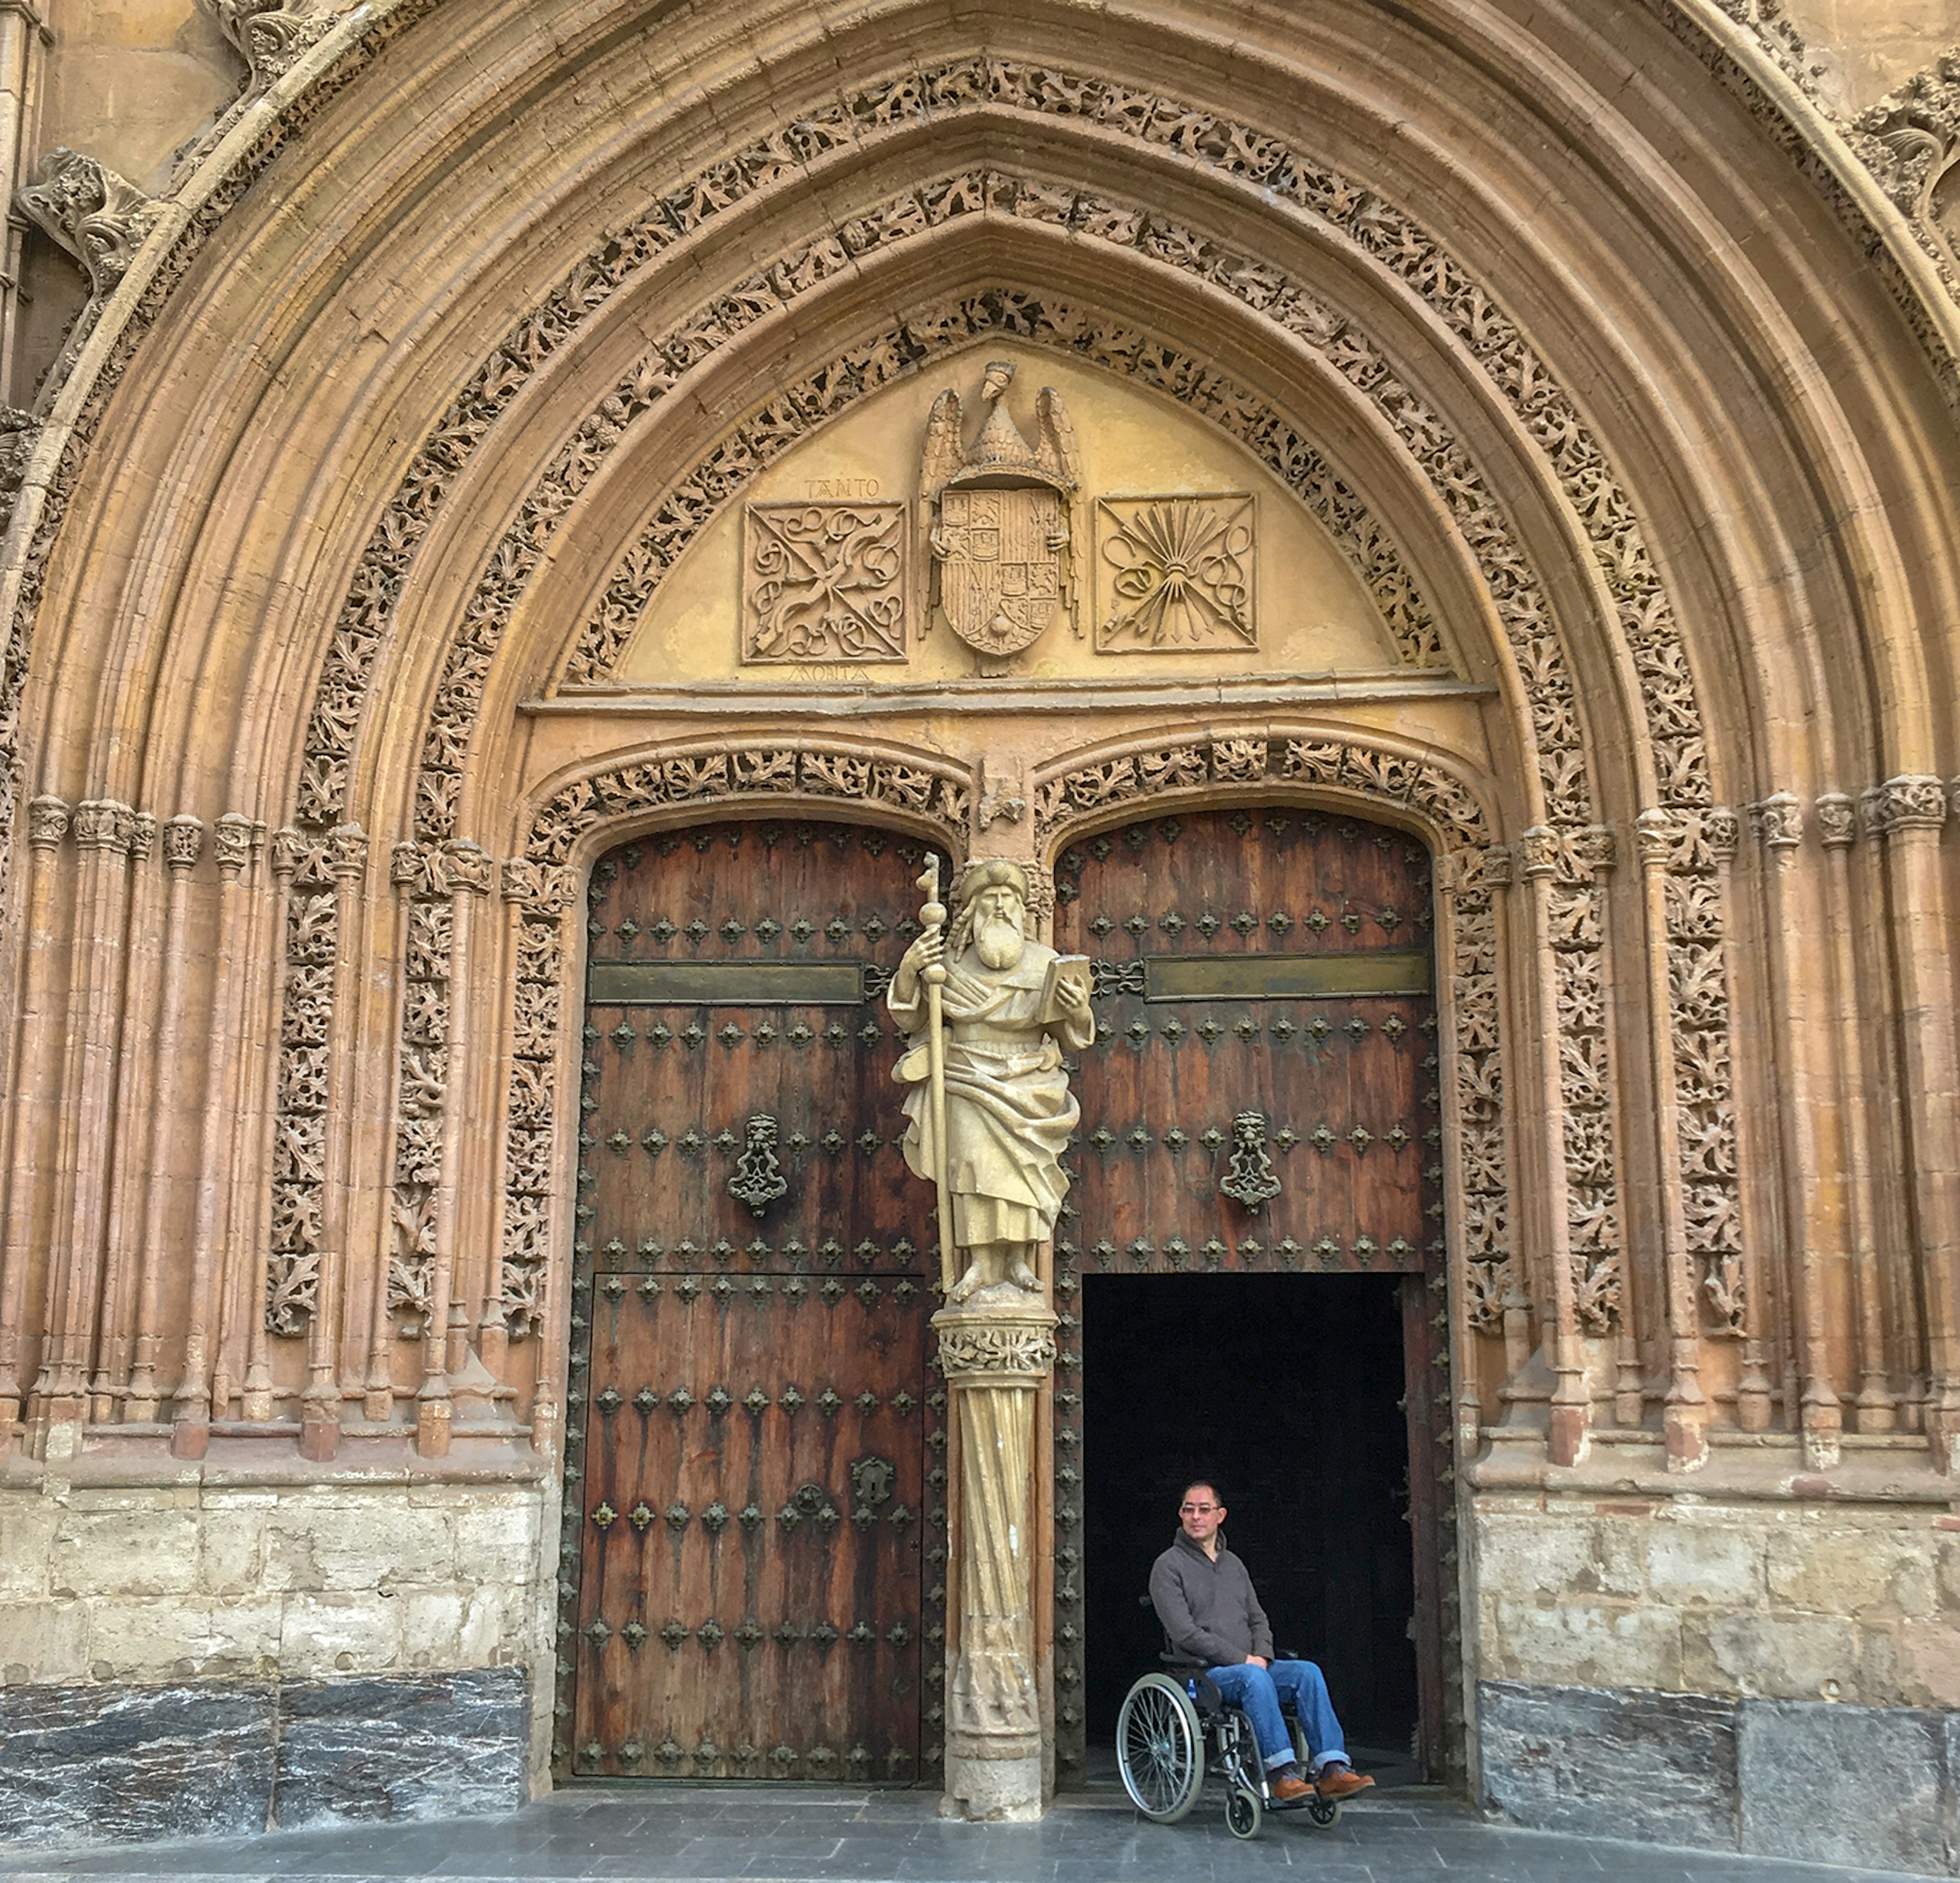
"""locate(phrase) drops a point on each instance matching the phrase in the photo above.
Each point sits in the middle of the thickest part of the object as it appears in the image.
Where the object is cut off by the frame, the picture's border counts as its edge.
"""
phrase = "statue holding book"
(1010, 1006)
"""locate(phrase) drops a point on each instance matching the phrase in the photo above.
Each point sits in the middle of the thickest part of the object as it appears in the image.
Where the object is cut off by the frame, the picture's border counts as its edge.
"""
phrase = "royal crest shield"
(999, 523)
(1001, 564)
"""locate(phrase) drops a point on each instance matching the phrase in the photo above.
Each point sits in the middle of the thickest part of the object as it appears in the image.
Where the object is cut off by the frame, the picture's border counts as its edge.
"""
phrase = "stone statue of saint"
(1008, 1110)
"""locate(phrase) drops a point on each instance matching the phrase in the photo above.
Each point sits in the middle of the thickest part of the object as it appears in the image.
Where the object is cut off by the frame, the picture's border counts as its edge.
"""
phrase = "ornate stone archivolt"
(1642, 607)
(303, 865)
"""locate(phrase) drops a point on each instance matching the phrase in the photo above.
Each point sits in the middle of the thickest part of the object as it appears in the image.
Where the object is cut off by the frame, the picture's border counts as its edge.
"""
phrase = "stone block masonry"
(231, 1757)
(198, 1658)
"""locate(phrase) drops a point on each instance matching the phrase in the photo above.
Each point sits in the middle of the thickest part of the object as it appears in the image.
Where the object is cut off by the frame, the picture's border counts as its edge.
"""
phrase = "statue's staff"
(933, 916)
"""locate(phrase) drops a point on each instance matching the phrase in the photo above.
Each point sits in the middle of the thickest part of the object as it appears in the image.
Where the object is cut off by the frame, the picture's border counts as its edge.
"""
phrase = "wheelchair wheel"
(1159, 1749)
(1323, 1813)
(1243, 1813)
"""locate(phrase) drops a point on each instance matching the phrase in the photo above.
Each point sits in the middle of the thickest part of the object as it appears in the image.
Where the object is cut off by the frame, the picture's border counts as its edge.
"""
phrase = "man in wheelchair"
(1204, 1597)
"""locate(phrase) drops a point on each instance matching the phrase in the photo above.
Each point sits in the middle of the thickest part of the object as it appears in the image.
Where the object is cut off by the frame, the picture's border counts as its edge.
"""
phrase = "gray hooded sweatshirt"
(1207, 1608)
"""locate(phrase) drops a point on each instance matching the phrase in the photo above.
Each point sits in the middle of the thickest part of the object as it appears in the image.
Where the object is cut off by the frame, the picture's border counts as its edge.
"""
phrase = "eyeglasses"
(1198, 1509)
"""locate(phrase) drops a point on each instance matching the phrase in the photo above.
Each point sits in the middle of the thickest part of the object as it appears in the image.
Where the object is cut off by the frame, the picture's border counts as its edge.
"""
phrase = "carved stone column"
(183, 843)
(47, 825)
(1875, 1410)
(995, 1360)
(1910, 813)
(1571, 1410)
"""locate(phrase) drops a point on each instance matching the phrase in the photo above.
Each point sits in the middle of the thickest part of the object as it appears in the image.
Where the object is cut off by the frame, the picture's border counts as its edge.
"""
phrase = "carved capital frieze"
(183, 841)
(347, 852)
(47, 822)
(470, 867)
(100, 218)
(1910, 802)
(1655, 836)
(1500, 867)
(995, 1349)
(545, 888)
(1778, 821)
(1538, 851)
(102, 823)
(232, 841)
(142, 835)
(1837, 819)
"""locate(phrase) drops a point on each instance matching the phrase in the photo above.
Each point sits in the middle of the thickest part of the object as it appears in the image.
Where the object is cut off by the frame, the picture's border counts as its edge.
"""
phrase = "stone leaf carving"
(1175, 574)
(268, 35)
(100, 218)
(994, 1347)
(1909, 140)
(823, 581)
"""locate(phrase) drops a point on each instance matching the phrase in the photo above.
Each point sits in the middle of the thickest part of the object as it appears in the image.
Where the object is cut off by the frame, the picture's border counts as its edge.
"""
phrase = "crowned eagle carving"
(1001, 524)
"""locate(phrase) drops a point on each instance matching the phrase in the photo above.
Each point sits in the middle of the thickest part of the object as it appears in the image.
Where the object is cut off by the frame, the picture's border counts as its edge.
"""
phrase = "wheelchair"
(1170, 1731)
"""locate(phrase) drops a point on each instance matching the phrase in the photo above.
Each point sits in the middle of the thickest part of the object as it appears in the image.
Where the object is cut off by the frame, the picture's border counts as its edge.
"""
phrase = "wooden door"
(1264, 1095)
(754, 1540)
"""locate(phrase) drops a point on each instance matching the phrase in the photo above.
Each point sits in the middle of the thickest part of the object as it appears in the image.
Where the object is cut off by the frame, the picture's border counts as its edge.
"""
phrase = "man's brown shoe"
(1341, 1781)
(1289, 1791)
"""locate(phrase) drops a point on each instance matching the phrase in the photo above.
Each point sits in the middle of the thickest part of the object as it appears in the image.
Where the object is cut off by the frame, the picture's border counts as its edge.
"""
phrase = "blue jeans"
(1260, 1690)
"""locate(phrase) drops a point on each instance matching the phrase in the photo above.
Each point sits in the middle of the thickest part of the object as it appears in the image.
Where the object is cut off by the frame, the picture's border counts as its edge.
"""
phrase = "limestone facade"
(387, 537)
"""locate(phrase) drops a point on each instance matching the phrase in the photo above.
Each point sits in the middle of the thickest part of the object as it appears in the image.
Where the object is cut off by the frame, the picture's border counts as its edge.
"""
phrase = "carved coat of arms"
(1001, 517)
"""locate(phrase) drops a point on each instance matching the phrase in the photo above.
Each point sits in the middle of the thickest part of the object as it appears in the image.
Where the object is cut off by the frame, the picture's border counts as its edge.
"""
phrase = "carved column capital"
(1654, 837)
(347, 852)
(1910, 802)
(1446, 871)
(1837, 819)
(232, 841)
(1723, 830)
(143, 838)
(470, 866)
(103, 823)
(1499, 865)
(1538, 851)
(183, 841)
(47, 822)
(995, 1348)
(1778, 821)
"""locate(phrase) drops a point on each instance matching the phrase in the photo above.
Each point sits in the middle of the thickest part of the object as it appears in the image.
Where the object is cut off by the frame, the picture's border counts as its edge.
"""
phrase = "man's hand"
(926, 951)
(1257, 1660)
(1072, 997)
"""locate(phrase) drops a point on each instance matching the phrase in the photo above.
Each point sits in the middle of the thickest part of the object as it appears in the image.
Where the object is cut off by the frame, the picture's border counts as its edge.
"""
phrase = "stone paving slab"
(696, 1834)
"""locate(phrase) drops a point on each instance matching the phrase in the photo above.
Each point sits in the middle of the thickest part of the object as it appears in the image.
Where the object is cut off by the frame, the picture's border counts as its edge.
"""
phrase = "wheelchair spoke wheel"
(1159, 1750)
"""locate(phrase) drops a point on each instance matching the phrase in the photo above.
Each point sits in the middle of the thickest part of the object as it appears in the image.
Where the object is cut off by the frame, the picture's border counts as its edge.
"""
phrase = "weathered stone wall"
(1791, 1601)
(1684, 1669)
(178, 1657)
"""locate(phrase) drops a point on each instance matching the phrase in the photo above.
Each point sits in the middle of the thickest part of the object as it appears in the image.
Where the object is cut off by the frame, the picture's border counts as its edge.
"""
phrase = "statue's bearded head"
(995, 914)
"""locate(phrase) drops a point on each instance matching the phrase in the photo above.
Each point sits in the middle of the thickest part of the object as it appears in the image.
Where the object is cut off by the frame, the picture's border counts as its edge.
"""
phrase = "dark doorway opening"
(1289, 1388)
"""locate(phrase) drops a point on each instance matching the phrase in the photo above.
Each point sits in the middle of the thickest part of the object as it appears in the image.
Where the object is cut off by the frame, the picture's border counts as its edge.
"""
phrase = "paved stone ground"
(788, 1834)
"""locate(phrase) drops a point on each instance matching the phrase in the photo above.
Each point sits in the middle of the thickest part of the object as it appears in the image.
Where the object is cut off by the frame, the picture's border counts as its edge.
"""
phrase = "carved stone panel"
(1175, 574)
(823, 581)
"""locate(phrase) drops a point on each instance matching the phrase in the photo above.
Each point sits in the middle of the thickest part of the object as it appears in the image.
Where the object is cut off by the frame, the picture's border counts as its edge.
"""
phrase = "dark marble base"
(230, 1758)
(1870, 1786)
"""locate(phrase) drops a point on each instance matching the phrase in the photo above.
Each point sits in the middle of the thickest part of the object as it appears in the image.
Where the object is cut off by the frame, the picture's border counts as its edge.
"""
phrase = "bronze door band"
(727, 983)
(1355, 976)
